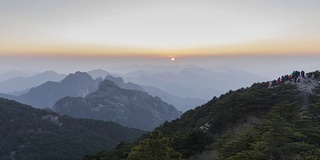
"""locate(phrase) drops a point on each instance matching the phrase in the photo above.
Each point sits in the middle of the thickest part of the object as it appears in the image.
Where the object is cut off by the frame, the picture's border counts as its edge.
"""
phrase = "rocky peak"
(76, 77)
(116, 80)
(307, 85)
(119, 81)
(107, 85)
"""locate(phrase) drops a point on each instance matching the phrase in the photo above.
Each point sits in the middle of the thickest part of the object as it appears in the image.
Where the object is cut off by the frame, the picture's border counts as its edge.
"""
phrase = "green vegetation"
(285, 134)
(29, 133)
(251, 123)
(224, 117)
(156, 147)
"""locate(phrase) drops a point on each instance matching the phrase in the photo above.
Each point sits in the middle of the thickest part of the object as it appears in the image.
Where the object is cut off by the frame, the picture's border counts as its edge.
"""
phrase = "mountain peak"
(45, 95)
(128, 107)
(98, 73)
(106, 85)
(78, 75)
(114, 79)
(120, 82)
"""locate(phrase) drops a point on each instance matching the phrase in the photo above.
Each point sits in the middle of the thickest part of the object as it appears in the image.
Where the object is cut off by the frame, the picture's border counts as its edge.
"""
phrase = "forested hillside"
(29, 133)
(258, 122)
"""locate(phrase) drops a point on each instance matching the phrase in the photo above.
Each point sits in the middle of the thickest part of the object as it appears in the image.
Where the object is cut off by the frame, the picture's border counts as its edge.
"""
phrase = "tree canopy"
(156, 147)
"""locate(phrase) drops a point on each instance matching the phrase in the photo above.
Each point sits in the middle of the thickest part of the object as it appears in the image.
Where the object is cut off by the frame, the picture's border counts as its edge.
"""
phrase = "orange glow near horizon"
(158, 29)
(257, 48)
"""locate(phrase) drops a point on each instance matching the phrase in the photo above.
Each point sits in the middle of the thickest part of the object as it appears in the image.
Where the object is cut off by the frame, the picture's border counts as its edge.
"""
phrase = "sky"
(81, 34)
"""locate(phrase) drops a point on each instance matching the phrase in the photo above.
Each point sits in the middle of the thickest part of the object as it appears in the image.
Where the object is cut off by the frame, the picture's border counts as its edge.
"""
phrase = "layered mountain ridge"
(45, 95)
(132, 108)
(19, 83)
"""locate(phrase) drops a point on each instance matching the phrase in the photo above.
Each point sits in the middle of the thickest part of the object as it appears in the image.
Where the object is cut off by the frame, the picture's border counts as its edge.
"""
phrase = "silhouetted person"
(278, 80)
(274, 83)
(287, 77)
(302, 74)
(270, 84)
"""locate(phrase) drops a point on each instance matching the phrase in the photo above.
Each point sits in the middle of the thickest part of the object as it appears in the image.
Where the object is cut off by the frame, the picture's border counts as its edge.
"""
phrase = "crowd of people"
(295, 77)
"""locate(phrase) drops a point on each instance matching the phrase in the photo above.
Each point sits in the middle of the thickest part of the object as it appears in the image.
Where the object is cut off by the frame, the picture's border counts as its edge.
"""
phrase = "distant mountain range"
(45, 95)
(29, 133)
(96, 73)
(194, 82)
(132, 108)
(182, 104)
(183, 87)
(20, 83)
(8, 75)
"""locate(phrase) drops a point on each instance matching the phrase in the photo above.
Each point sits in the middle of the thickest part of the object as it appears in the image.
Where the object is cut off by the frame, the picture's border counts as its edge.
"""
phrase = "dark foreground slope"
(29, 133)
(252, 123)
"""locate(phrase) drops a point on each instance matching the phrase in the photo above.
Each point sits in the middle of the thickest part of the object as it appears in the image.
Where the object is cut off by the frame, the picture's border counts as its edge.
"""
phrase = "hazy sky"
(160, 26)
(144, 30)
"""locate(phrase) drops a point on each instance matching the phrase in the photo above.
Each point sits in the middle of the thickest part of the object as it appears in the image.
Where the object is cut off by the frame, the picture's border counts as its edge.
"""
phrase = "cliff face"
(130, 108)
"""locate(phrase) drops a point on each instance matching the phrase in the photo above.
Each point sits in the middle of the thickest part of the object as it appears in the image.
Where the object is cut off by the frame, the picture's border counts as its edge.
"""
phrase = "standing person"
(302, 74)
(270, 84)
(293, 73)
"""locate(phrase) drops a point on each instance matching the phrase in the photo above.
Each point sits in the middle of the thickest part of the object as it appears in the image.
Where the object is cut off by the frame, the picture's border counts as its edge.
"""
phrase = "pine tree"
(281, 137)
(284, 135)
(156, 147)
